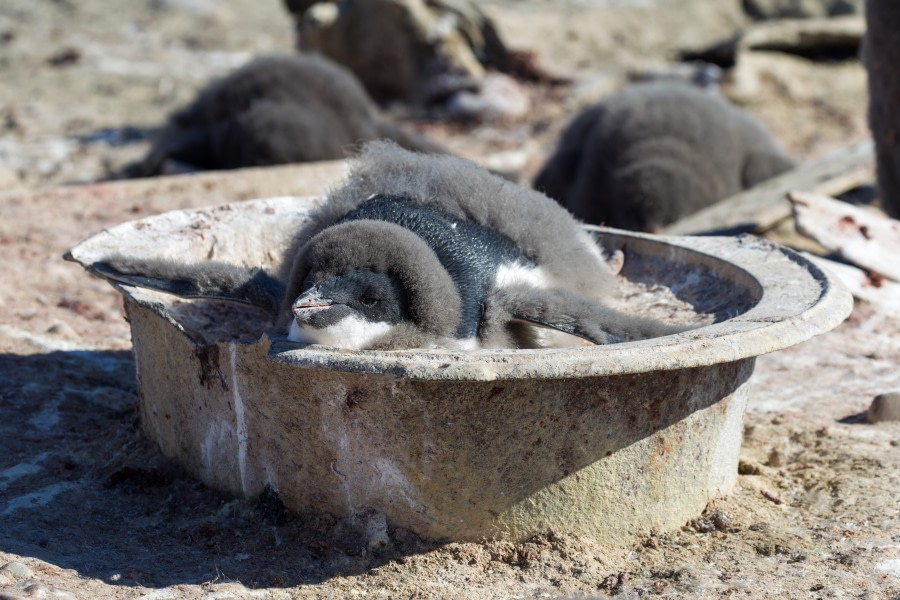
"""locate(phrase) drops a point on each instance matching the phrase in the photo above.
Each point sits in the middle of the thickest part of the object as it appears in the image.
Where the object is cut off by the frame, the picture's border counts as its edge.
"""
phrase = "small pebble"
(62, 329)
(16, 570)
(885, 407)
(776, 458)
(746, 467)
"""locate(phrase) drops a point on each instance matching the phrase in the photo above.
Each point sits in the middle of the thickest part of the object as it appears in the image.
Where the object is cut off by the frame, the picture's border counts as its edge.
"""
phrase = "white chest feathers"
(516, 274)
(351, 333)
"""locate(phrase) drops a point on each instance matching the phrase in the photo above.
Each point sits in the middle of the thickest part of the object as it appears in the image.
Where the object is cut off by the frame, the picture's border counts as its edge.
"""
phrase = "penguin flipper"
(577, 315)
(212, 280)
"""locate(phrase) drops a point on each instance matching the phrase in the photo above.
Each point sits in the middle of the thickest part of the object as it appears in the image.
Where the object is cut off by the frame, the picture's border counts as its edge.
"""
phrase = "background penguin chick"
(655, 152)
(434, 47)
(274, 110)
(472, 253)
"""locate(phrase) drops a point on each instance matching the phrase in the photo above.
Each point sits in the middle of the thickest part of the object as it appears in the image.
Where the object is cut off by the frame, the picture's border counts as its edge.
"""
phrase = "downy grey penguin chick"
(274, 110)
(418, 251)
(655, 152)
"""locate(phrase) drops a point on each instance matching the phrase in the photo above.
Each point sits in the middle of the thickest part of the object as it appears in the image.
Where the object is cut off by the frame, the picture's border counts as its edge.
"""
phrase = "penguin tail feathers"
(213, 280)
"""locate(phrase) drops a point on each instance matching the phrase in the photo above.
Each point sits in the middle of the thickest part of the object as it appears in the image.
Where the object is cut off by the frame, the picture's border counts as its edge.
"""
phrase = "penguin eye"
(368, 300)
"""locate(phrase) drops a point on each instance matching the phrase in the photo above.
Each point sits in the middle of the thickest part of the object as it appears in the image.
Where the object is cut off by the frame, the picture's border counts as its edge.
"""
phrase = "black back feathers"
(655, 152)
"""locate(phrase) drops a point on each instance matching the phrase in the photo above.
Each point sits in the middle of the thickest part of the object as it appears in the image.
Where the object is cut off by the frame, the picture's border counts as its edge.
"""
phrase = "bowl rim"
(799, 300)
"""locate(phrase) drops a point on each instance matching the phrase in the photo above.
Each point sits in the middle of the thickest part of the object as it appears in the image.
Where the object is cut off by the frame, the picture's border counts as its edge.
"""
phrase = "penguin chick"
(656, 152)
(475, 262)
(274, 110)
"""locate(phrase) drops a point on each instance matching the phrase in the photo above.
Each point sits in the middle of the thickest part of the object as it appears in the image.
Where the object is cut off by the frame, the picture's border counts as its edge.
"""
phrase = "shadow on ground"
(81, 488)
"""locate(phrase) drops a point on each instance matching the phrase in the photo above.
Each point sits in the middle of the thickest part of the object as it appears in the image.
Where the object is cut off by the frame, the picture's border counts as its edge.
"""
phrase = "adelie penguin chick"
(432, 251)
(274, 110)
(656, 152)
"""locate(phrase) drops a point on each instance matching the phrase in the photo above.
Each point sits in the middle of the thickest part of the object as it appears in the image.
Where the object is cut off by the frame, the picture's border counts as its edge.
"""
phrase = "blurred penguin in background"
(273, 110)
(416, 52)
(653, 153)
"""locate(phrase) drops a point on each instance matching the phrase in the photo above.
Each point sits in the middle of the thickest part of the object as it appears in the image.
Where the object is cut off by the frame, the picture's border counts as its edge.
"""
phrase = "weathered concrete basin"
(608, 441)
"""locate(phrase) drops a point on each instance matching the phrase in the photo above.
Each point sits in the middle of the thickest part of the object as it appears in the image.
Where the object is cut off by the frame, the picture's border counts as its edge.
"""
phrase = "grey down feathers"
(275, 110)
(646, 156)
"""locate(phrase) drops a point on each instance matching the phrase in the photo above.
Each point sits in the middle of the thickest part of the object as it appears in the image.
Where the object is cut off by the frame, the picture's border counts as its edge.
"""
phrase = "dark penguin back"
(471, 253)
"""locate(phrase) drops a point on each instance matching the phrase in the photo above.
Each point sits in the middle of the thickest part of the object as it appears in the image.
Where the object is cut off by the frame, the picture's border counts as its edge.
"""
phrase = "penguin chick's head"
(372, 255)
(349, 311)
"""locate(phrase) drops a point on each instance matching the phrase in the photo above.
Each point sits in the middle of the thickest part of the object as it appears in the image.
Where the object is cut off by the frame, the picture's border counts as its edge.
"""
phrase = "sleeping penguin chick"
(655, 152)
(274, 110)
(419, 251)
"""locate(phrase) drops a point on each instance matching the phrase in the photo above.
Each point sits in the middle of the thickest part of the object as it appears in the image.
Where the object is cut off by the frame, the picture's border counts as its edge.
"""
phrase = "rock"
(884, 407)
(776, 458)
(498, 98)
(16, 570)
(63, 330)
(746, 467)
(509, 163)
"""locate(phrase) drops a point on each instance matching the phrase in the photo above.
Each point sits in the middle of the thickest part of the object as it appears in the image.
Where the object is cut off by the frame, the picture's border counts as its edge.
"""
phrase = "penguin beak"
(306, 304)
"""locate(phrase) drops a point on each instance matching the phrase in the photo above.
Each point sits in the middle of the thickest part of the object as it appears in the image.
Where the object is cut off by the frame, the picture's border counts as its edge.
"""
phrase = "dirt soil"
(89, 508)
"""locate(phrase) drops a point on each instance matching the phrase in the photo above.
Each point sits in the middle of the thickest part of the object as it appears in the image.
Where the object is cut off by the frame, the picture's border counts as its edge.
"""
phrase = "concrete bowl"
(608, 441)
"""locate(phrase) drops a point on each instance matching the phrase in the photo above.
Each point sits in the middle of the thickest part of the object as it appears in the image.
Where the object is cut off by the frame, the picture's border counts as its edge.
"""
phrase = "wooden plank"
(861, 237)
(877, 291)
(757, 209)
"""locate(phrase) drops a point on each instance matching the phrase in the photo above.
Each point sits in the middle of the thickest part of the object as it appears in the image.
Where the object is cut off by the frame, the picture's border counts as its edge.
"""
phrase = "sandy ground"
(89, 509)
